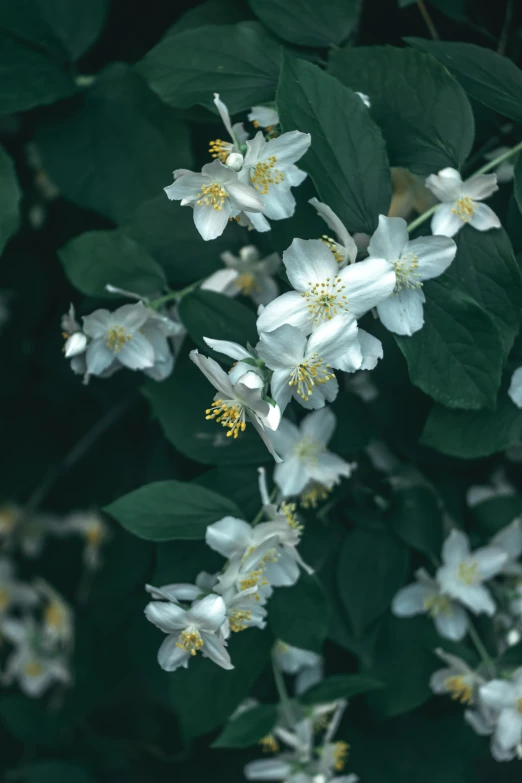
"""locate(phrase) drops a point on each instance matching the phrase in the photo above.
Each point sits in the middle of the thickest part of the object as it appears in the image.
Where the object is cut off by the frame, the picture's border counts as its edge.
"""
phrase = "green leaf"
(241, 485)
(55, 772)
(298, 615)
(94, 259)
(347, 158)
(170, 511)
(207, 314)
(372, 567)
(416, 517)
(160, 225)
(423, 112)
(305, 22)
(353, 431)
(239, 61)
(114, 146)
(216, 12)
(180, 402)
(487, 76)
(456, 357)
(340, 686)
(29, 721)
(10, 196)
(494, 514)
(518, 183)
(486, 267)
(248, 728)
(473, 434)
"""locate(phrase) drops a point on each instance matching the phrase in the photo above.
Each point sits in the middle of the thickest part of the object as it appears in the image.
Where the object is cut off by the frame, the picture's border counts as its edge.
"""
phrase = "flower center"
(228, 413)
(459, 689)
(117, 337)
(220, 149)
(437, 604)
(33, 669)
(4, 598)
(308, 448)
(519, 705)
(239, 620)
(264, 174)
(465, 208)
(334, 247)
(467, 572)
(212, 195)
(324, 300)
(308, 373)
(340, 755)
(269, 744)
(314, 494)
(405, 272)
(54, 615)
(288, 510)
(190, 640)
(7, 521)
(94, 534)
(246, 283)
(255, 579)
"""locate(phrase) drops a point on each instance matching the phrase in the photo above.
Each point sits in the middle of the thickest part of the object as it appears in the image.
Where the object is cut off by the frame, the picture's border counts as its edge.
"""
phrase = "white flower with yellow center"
(116, 339)
(190, 631)
(216, 195)
(254, 275)
(305, 456)
(343, 246)
(504, 697)
(13, 592)
(229, 152)
(515, 388)
(34, 667)
(92, 528)
(263, 117)
(269, 168)
(460, 202)
(322, 290)
(303, 367)
(426, 597)
(457, 680)
(462, 573)
(413, 262)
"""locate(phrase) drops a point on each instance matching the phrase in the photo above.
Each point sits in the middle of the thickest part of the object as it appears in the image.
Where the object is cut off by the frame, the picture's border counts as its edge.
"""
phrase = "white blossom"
(13, 593)
(460, 202)
(305, 665)
(515, 387)
(253, 274)
(92, 528)
(505, 699)
(425, 596)
(505, 170)
(456, 679)
(34, 667)
(116, 339)
(413, 262)
(509, 539)
(343, 246)
(229, 152)
(263, 117)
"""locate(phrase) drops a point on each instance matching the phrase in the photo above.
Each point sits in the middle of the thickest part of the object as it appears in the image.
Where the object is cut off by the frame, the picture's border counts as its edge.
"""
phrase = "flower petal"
(480, 187)
(445, 222)
(98, 357)
(289, 308)
(283, 348)
(389, 240)
(170, 656)
(509, 728)
(483, 218)
(455, 548)
(214, 373)
(367, 283)
(211, 222)
(452, 624)
(214, 649)
(208, 614)
(267, 769)
(228, 348)
(168, 617)
(137, 353)
(371, 350)
(490, 559)
(230, 536)
(403, 312)
(409, 601)
(446, 185)
(309, 261)
(290, 476)
(335, 341)
(329, 468)
(515, 387)
(279, 202)
(434, 255)
(281, 389)
(288, 147)
(333, 222)
(319, 426)
(96, 324)
(285, 437)
(498, 694)
(244, 197)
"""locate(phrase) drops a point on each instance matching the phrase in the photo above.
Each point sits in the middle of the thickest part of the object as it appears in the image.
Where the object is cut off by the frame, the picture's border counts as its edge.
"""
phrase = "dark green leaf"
(248, 728)
(298, 615)
(240, 485)
(456, 357)
(518, 183)
(240, 61)
(170, 511)
(353, 430)
(114, 146)
(485, 75)
(29, 721)
(340, 686)
(9, 199)
(494, 514)
(423, 112)
(94, 259)
(372, 567)
(305, 22)
(347, 159)
(56, 772)
(216, 12)
(416, 517)
(207, 314)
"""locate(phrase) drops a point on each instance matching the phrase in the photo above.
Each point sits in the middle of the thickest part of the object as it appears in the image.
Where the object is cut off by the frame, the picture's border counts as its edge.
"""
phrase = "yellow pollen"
(117, 337)
(33, 669)
(308, 373)
(94, 534)
(190, 640)
(405, 272)
(228, 413)
(465, 208)
(459, 689)
(212, 195)
(264, 174)
(333, 246)
(325, 299)
(4, 598)
(519, 705)
(308, 448)
(256, 578)
(246, 283)
(255, 123)
(269, 744)
(54, 615)
(220, 149)
(437, 604)
(314, 495)
(289, 509)
(467, 572)
(340, 755)
(239, 620)
(7, 520)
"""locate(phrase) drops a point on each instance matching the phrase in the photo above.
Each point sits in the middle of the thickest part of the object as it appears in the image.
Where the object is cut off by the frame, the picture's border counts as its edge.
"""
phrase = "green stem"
(480, 647)
(487, 167)
(259, 516)
(282, 692)
(157, 303)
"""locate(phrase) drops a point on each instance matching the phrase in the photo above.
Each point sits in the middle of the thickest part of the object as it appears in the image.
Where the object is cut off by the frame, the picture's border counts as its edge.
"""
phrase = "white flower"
(237, 403)
(413, 262)
(116, 339)
(306, 666)
(322, 290)
(216, 194)
(75, 340)
(158, 329)
(343, 247)
(189, 631)
(457, 679)
(463, 572)
(253, 276)
(57, 618)
(246, 360)
(305, 456)
(505, 171)
(269, 168)
(426, 597)
(509, 539)
(505, 698)
(263, 117)
(515, 387)
(303, 366)
(229, 153)
(34, 668)
(13, 592)
(498, 486)
(460, 202)
(93, 529)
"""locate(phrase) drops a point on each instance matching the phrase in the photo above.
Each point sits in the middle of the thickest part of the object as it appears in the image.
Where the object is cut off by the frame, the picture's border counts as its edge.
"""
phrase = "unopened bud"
(235, 161)
(75, 344)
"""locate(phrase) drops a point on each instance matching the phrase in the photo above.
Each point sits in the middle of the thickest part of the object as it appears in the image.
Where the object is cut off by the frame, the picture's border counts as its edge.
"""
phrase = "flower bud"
(75, 344)
(235, 161)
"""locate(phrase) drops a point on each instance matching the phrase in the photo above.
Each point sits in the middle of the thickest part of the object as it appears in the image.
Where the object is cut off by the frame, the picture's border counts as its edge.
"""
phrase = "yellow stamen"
(405, 272)
(314, 495)
(437, 604)
(340, 755)
(269, 744)
(465, 208)
(325, 299)
(289, 509)
(459, 689)
(228, 413)
(308, 373)
(54, 615)
(256, 579)
(239, 619)
(467, 572)
(4, 598)
(94, 534)
(308, 448)
(264, 175)
(246, 283)
(117, 337)
(220, 149)
(190, 640)
(333, 246)
(33, 669)
(212, 195)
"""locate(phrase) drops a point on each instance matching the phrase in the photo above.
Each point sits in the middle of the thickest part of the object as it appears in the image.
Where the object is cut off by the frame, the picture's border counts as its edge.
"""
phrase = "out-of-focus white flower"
(413, 262)
(263, 117)
(498, 486)
(254, 275)
(34, 667)
(425, 596)
(460, 202)
(343, 247)
(457, 679)
(306, 666)
(94, 530)
(505, 171)
(57, 618)
(116, 338)
(12, 592)
(515, 387)
(463, 573)
(504, 697)
(305, 456)
(509, 539)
